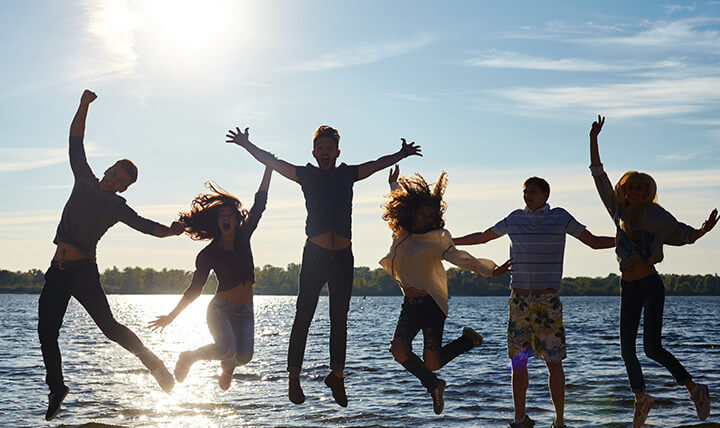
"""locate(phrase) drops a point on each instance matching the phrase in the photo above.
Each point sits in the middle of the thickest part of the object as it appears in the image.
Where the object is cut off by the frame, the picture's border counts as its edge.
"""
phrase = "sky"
(493, 92)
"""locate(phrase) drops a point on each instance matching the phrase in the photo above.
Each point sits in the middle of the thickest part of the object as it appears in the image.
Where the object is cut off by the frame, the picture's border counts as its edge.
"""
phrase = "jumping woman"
(414, 213)
(643, 227)
(219, 216)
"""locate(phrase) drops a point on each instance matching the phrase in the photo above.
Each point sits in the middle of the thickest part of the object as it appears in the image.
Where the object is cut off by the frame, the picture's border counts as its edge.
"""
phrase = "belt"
(533, 292)
(69, 264)
(416, 300)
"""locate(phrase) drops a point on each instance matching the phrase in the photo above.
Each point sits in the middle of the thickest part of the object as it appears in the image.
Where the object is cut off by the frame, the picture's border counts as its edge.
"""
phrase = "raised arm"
(128, 216)
(260, 202)
(266, 158)
(596, 242)
(476, 238)
(594, 131)
(78, 159)
(367, 169)
(706, 227)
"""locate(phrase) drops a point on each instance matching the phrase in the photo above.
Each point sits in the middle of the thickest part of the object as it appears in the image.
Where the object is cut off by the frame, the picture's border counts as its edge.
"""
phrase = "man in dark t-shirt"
(93, 207)
(327, 256)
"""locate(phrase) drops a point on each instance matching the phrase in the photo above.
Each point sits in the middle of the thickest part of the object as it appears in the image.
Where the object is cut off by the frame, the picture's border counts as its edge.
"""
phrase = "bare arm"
(266, 158)
(163, 321)
(367, 169)
(594, 131)
(162, 231)
(265, 183)
(596, 242)
(77, 127)
(476, 238)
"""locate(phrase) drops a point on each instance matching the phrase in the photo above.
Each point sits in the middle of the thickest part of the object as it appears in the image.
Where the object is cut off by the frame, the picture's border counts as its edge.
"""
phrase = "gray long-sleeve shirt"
(653, 227)
(90, 212)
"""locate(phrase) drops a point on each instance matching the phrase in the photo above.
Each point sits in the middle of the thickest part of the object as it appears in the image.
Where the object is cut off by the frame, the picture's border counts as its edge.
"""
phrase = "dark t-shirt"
(231, 267)
(90, 212)
(328, 198)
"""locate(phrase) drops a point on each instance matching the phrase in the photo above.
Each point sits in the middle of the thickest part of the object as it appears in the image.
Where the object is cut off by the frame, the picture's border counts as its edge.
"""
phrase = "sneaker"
(476, 337)
(163, 377)
(525, 422)
(558, 425)
(182, 367)
(437, 397)
(225, 378)
(641, 411)
(295, 392)
(701, 397)
(337, 386)
(55, 400)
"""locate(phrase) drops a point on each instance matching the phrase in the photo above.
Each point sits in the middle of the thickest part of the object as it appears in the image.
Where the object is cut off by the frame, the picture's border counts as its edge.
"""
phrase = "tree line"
(275, 280)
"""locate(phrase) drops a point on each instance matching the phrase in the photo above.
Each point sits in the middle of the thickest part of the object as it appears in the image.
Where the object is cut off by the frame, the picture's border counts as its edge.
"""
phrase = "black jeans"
(81, 280)
(422, 313)
(648, 293)
(320, 266)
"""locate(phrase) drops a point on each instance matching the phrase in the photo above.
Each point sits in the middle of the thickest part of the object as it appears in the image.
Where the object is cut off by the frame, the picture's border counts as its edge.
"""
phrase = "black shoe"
(337, 386)
(55, 400)
(295, 392)
(526, 422)
(473, 335)
(437, 397)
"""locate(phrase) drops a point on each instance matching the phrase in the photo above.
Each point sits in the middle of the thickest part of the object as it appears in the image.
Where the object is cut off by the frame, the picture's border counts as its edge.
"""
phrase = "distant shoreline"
(278, 281)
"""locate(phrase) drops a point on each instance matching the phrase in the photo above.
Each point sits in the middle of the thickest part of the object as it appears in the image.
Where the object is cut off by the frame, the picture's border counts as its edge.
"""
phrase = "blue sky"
(494, 92)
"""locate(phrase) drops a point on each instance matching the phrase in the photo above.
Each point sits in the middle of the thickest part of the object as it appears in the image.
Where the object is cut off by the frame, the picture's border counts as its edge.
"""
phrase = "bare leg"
(519, 386)
(556, 381)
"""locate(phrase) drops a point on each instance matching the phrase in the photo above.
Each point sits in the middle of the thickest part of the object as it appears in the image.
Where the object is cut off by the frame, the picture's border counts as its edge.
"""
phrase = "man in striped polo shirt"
(537, 246)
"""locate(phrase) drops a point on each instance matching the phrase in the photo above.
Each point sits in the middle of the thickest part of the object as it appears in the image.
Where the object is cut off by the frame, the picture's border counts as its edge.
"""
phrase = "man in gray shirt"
(93, 207)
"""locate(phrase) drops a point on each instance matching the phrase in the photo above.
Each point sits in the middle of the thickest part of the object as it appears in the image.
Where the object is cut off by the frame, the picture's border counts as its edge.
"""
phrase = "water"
(108, 385)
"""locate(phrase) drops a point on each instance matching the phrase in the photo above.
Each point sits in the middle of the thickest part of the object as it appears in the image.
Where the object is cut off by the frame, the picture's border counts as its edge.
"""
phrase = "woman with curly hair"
(219, 216)
(414, 213)
(643, 227)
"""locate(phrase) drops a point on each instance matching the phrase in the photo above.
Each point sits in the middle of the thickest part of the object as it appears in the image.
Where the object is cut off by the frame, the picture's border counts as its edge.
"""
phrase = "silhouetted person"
(643, 227)
(93, 207)
(230, 316)
(327, 256)
(420, 243)
(535, 327)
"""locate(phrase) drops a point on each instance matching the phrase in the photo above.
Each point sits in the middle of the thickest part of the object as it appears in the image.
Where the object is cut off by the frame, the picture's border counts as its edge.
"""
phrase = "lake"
(109, 385)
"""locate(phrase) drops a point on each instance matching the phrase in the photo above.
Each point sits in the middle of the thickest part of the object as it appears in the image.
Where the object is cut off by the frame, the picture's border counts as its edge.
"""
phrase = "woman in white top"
(414, 212)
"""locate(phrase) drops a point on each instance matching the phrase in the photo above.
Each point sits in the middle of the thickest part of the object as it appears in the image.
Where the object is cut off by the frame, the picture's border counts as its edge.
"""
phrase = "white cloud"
(677, 7)
(650, 98)
(683, 35)
(506, 59)
(24, 158)
(360, 55)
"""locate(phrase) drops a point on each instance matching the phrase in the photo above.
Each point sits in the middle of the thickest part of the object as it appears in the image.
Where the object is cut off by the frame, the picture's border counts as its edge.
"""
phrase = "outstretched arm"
(163, 321)
(706, 227)
(266, 158)
(367, 169)
(260, 202)
(202, 271)
(162, 231)
(265, 183)
(77, 127)
(596, 242)
(476, 238)
(594, 131)
(78, 159)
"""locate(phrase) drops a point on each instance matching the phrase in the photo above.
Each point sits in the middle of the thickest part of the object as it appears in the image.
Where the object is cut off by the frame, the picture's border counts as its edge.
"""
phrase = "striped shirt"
(537, 245)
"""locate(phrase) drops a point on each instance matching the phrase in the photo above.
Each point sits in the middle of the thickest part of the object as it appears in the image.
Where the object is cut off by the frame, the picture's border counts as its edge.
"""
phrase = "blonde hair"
(634, 212)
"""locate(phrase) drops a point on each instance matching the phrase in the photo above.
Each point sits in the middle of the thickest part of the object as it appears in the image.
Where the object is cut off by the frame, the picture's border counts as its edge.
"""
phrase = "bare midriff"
(67, 253)
(411, 292)
(241, 294)
(331, 241)
(636, 271)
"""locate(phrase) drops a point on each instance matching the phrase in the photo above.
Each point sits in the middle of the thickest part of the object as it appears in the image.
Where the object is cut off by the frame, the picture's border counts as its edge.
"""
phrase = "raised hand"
(160, 322)
(410, 149)
(710, 222)
(238, 137)
(394, 174)
(87, 97)
(505, 267)
(597, 127)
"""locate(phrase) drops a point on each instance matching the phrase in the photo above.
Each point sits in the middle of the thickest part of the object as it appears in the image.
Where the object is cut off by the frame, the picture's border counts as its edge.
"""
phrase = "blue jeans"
(320, 266)
(649, 294)
(233, 328)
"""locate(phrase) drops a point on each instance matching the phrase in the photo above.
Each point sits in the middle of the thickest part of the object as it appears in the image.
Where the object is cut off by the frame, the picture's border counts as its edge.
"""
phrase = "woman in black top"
(218, 216)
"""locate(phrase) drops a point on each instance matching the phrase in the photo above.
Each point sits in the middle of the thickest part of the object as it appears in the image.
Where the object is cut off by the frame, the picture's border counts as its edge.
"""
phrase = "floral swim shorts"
(535, 327)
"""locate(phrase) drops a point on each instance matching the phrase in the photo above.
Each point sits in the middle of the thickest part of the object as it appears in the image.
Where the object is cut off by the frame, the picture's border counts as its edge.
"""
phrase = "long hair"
(414, 193)
(201, 222)
(633, 213)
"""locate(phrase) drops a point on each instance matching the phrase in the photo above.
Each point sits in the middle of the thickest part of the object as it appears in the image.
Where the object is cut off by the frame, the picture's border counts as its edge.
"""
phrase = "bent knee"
(400, 350)
(242, 358)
